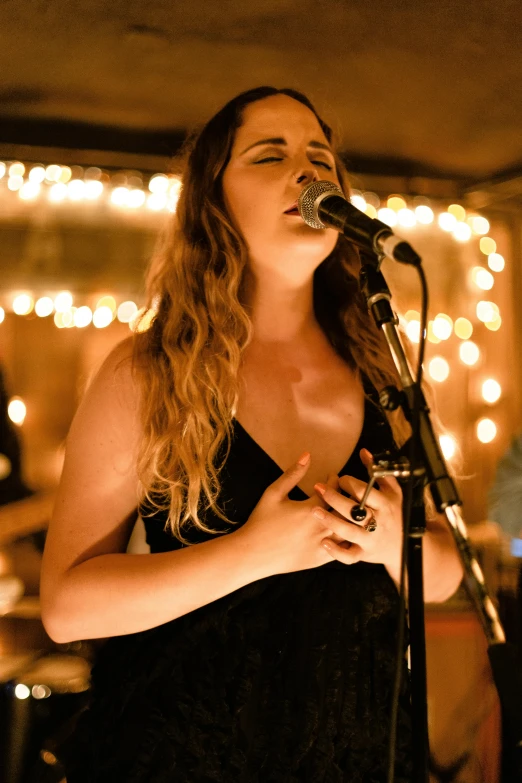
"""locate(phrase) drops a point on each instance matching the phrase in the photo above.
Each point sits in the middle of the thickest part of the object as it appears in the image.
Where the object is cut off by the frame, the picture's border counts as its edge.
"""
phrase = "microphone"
(322, 204)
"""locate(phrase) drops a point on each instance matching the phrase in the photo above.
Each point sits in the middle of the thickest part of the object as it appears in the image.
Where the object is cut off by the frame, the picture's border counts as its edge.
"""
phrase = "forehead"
(278, 115)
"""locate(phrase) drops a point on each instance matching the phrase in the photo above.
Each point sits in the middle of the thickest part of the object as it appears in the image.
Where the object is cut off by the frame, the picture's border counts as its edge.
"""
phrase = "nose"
(306, 176)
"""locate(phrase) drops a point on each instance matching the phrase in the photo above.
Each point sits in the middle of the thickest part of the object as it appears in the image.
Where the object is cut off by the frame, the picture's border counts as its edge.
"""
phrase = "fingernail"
(326, 544)
(304, 458)
(319, 513)
(320, 488)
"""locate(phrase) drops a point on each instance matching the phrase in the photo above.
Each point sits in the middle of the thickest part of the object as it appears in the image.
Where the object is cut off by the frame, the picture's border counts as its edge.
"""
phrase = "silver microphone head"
(310, 198)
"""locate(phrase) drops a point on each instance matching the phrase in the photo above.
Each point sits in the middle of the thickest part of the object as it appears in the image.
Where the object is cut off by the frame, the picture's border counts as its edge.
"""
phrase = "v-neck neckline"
(267, 456)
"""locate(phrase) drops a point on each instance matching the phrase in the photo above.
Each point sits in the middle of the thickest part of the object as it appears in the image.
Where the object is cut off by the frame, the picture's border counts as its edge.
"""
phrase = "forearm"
(118, 594)
(442, 568)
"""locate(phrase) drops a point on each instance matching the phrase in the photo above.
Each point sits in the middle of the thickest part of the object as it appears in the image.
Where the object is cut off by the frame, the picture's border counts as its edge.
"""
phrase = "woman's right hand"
(287, 534)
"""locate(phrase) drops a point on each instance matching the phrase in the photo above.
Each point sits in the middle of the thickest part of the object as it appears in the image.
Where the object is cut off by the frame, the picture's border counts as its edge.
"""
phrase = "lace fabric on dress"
(287, 679)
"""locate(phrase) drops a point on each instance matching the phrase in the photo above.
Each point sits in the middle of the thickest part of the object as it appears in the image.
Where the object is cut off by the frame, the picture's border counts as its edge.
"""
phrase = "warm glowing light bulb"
(457, 211)
(159, 184)
(83, 317)
(3, 169)
(448, 445)
(494, 325)
(15, 183)
(156, 202)
(462, 232)
(358, 201)
(424, 215)
(21, 691)
(432, 337)
(438, 369)
(496, 262)
(487, 311)
(469, 353)
(57, 192)
(37, 174)
(487, 246)
(442, 326)
(406, 218)
(2, 314)
(371, 211)
(52, 173)
(479, 225)
(16, 170)
(482, 278)
(16, 410)
(387, 216)
(396, 203)
(486, 430)
(126, 311)
(136, 198)
(463, 328)
(119, 196)
(107, 301)
(93, 190)
(491, 390)
(76, 189)
(413, 331)
(65, 174)
(63, 301)
(29, 191)
(44, 306)
(23, 304)
(102, 317)
(447, 221)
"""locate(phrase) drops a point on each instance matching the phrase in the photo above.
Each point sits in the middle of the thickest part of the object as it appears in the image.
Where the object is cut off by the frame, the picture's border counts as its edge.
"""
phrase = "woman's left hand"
(351, 542)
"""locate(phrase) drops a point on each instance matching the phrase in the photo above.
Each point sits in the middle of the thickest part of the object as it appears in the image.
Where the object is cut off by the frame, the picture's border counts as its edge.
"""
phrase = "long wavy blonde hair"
(190, 358)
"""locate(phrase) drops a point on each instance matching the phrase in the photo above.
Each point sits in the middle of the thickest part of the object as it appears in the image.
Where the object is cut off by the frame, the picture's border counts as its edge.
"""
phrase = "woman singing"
(256, 642)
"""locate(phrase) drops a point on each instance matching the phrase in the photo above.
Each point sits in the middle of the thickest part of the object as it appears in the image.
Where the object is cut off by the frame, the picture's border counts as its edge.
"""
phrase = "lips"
(293, 210)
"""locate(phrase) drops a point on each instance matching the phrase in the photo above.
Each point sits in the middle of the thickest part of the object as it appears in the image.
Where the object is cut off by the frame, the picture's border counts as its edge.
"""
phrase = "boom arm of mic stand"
(442, 487)
(504, 664)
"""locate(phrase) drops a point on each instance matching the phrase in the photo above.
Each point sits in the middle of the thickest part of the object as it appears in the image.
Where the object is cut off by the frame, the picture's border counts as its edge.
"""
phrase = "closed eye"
(315, 162)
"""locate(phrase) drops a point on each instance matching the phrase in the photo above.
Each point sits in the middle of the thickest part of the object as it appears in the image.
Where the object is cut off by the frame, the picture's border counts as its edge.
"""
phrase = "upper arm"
(97, 498)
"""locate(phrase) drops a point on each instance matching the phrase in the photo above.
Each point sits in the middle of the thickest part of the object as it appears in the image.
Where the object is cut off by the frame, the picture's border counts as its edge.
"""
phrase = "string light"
(23, 304)
(16, 410)
(491, 390)
(487, 311)
(63, 301)
(448, 445)
(387, 216)
(463, 328)
(469, 353)
(486, 430)
(482, 278)
(439, 369)
(44, 306)
(442, 326)
(496, 262)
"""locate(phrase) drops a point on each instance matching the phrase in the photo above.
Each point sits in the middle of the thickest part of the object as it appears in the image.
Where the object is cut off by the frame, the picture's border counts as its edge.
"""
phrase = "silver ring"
(371, 525)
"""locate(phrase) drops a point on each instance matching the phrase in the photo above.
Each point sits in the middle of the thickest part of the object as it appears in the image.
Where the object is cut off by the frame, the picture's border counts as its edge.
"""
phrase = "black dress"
(286, 679)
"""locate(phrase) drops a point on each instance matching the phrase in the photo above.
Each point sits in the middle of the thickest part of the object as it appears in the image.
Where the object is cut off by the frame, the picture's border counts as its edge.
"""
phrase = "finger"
(344, 552)
(357, 488)
(292, 476)
(347, 531)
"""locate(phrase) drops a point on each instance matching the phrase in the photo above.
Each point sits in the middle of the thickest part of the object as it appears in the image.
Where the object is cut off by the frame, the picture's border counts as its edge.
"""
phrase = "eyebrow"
(280, 141)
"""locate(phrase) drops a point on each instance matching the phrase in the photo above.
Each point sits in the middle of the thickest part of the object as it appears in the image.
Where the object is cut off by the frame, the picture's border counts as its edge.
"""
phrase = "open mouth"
(292, 211)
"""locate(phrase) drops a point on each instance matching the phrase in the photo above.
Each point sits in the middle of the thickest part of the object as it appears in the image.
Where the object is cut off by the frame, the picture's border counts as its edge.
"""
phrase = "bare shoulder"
(97, 499)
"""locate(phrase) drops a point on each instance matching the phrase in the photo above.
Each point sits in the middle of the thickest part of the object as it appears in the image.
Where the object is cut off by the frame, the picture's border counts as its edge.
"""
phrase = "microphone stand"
(430, 463)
